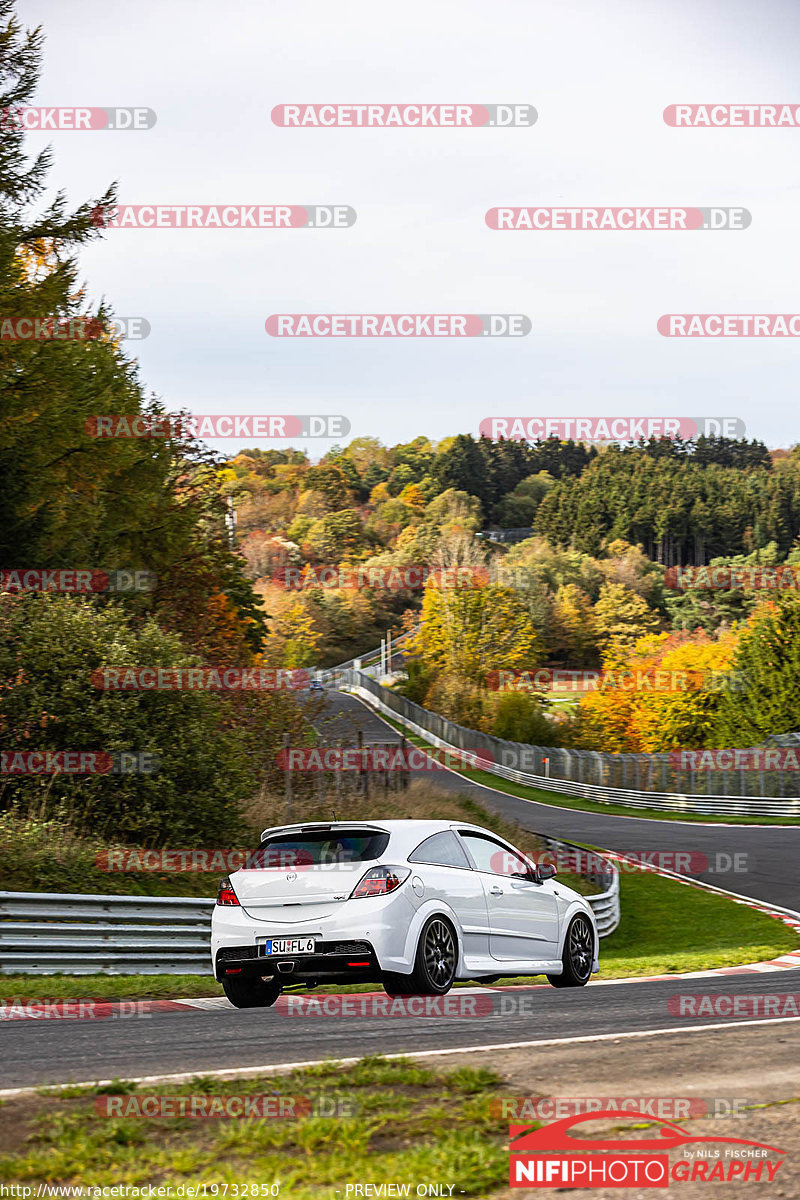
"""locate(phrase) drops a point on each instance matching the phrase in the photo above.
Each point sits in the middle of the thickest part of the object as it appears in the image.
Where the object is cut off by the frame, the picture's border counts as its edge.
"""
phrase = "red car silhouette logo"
(525, 1140)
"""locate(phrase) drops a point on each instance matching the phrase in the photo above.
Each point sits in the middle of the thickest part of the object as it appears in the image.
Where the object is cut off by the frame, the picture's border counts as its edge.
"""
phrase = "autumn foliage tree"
(664, 693)
(68, 498)
(472, 630)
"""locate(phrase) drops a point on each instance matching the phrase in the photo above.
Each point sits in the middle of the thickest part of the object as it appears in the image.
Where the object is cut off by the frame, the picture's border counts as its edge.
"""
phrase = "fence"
(372, 658)
(649, 781)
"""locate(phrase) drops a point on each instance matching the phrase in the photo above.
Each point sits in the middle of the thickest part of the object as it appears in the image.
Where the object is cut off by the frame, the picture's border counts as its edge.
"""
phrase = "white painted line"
(208, 1002)
(283, 1068)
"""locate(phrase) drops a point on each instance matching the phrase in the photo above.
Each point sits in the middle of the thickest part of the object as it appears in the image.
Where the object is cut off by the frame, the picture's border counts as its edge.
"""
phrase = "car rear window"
(320, 847)
(440, 849)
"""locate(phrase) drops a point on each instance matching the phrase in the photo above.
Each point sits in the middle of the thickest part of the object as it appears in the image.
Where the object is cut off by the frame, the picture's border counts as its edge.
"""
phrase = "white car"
(414, 905)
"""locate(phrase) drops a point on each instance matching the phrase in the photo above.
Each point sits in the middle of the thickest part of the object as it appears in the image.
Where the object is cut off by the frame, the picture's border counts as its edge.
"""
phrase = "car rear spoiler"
(316, 826)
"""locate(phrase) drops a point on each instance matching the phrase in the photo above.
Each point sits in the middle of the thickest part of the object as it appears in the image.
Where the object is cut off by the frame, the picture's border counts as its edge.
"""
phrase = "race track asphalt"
(196, 1041)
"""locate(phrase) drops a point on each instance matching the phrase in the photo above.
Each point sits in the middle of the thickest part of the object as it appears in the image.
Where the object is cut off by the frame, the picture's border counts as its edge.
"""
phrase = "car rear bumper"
(384, 923)
(333, 962)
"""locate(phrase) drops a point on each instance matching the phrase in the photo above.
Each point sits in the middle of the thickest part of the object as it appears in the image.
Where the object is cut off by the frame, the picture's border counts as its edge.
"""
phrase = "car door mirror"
(546, 871)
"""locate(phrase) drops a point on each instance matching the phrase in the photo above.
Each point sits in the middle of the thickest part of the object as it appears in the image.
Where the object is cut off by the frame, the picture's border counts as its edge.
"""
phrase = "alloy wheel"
(581, 947)
(440, 953)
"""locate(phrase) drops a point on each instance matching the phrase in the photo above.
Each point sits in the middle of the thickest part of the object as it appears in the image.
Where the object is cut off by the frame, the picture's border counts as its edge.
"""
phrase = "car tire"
(578, 954)
(251, 992)
(435, 963)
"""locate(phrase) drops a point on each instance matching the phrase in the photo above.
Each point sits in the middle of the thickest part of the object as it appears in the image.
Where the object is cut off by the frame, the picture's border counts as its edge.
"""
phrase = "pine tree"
(768, 657)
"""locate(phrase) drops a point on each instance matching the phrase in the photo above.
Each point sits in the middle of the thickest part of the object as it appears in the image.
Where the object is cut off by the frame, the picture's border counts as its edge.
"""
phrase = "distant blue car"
(316, 685)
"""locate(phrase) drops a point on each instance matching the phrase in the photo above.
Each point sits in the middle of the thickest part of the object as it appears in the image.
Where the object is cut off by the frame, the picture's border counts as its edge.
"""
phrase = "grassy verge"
(542, 796)
(395, 1121)
(666, 928)
(47, 856)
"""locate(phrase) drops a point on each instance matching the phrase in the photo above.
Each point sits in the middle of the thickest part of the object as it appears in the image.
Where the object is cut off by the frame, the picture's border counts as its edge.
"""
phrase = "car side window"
(489, 855)
(442, 850)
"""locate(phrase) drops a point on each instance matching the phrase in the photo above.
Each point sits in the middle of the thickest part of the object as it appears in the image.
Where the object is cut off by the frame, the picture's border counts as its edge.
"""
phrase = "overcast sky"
(599, 76)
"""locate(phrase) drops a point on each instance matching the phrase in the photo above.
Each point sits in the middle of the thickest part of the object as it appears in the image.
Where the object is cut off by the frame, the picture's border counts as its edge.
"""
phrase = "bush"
(215, 749)
(519, 717)
(419, 681)
(459, 700)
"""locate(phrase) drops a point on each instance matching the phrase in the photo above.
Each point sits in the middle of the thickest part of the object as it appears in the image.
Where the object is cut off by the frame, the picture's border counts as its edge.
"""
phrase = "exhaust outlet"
(285, 967)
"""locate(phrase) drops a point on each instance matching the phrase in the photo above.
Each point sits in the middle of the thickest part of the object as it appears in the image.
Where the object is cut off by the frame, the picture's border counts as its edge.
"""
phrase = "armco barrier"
(594, 776)
(45, 933)
(42, 933)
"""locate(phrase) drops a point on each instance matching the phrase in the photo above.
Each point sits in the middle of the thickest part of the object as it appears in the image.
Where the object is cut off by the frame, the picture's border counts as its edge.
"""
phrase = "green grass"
(400, 1122)
(542, 796)
(107, 987)
(668, 927)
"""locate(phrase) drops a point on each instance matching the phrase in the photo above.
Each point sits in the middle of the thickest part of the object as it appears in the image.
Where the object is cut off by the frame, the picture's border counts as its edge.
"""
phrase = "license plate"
(304, 945)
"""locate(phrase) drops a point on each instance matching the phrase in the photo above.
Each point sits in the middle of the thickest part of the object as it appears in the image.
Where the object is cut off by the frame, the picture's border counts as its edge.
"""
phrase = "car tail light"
(380, 881)
(226, 894)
